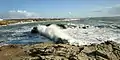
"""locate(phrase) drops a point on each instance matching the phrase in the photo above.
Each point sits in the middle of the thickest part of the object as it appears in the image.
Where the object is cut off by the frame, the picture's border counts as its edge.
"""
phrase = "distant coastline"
(29, 20)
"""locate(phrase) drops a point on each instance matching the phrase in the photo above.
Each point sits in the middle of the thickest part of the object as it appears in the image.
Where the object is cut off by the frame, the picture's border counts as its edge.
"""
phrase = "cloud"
(108, 11)
(19, 14)
(69, 13)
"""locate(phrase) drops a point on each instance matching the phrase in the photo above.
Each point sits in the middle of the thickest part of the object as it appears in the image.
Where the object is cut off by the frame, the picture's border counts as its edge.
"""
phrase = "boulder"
(34, 30)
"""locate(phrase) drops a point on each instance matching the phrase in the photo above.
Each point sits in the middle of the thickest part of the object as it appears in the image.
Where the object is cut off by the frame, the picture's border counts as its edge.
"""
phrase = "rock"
(73, 57)
(61, 41)
(108, 50)
(84, 27)
(60, 25)
(105, 51)
(48, 24)
(34, 30)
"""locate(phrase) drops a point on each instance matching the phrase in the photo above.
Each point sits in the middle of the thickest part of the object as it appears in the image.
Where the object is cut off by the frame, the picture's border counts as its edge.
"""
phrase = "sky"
(58, 8)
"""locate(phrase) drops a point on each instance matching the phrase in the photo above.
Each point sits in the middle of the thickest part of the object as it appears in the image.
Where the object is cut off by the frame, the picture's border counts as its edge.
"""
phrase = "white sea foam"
(93, 34)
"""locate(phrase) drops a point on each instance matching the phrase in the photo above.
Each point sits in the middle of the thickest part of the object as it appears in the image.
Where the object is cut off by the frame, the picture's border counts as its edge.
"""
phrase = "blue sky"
(58, 8)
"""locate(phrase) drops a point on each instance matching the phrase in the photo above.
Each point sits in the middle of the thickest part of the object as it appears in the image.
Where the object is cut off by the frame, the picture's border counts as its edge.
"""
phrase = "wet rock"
(84, 27)
(34, 30)
(48, 24)
(116, 26)
(61, 41)
(60, 25)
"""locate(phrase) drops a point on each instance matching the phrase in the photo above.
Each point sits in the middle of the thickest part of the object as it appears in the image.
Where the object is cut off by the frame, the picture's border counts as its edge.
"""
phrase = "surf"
(57, 34)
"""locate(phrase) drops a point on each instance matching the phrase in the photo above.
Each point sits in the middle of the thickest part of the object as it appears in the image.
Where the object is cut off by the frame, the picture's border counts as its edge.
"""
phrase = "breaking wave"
(55, 33)
(79, 35)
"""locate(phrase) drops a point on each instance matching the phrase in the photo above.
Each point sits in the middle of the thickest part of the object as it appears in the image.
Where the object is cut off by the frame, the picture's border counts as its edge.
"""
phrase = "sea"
(100, 29)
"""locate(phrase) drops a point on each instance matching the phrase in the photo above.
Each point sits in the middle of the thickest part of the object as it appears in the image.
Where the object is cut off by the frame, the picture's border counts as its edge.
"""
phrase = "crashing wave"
(56, 34)
(77, 34)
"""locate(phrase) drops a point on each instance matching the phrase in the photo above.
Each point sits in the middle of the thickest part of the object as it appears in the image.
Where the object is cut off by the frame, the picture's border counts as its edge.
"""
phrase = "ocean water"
(100, 30)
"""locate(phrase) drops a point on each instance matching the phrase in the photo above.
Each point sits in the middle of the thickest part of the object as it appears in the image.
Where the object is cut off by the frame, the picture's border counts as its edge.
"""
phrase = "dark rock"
(2, 41)
(84, 27)
(34, 30)
(87, 26)
(100, 26)
(62, 26)
(81, 48)
(61, 41)
(48, 24)
(118, 27)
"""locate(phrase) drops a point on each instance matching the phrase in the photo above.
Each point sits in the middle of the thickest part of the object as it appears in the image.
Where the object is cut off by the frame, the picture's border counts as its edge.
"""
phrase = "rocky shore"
(48, 51)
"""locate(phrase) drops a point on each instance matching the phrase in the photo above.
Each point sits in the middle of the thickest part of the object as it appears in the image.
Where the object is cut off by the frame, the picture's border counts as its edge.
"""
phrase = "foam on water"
(93, 35)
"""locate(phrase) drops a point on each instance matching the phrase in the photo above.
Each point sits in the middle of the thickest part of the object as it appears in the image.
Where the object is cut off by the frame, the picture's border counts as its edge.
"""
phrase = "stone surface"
(48, 51)
(104, 51)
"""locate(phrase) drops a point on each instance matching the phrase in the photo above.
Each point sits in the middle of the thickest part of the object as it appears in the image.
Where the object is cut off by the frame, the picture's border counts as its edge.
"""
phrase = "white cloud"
(19, 14)
(69, 13)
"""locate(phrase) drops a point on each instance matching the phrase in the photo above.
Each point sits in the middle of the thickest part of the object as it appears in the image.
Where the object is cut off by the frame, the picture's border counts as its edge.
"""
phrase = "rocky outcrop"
(104, 51)
(48, 51)
(34, 30)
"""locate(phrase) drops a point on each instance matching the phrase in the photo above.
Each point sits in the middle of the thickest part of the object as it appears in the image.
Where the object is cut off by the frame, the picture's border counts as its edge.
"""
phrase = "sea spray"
(55, 33)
